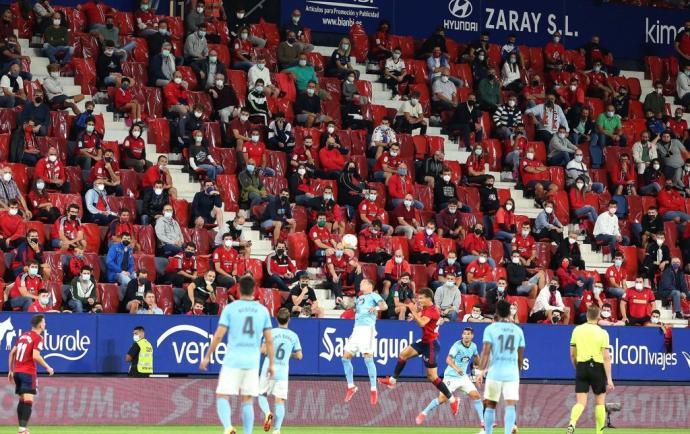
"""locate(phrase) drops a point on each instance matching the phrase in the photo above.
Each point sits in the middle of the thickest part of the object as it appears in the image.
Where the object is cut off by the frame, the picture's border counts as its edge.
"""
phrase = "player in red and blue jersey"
(22, 368)
(427, 318)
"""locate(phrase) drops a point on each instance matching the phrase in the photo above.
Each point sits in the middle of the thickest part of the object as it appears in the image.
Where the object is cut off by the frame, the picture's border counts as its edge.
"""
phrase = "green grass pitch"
(321, 430)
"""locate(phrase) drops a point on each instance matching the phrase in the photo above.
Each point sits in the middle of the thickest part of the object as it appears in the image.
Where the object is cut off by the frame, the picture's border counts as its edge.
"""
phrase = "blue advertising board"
(629, 32)
(94, 344)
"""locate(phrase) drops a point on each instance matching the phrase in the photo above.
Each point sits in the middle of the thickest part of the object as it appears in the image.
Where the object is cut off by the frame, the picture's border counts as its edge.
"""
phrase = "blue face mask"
(250, 168)
(124, 85)
(402, 172)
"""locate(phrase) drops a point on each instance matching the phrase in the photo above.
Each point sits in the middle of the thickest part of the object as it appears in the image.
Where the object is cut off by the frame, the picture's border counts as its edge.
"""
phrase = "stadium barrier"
(629, 32)
(101, 401)
(97, 344)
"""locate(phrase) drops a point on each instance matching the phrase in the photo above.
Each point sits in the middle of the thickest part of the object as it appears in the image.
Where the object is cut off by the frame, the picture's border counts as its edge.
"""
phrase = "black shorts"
(590, 374)
(25, 383)
(428, 352)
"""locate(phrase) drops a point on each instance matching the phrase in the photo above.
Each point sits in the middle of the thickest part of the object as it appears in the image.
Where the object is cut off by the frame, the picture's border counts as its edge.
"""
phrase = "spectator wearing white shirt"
(547, 302)
(607, 230)
(382, 138)
(476, 315)
(395, 73)
(12, 88)
(444, 93)
(510, 75)
(683, 87)
(259, 71)
(410, 116)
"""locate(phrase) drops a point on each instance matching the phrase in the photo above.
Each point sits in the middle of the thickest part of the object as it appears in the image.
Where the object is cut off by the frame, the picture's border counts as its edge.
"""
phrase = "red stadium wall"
(110, 401)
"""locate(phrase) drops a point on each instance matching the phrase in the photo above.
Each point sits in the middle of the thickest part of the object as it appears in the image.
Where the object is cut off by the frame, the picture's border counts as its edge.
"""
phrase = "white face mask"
(56, 22)
(310, 91)
(451, 261)
(244, 118)
(530, 155)
(452, 210)
(394, 153)
(660, 242)
(372, 197)
(398, 260)
(482, 259)
(219, 84)
(55, 74)
(198, 114)
(429, 231)
(158, 191)
(331, 130)
(208, 282)
(213, 59)
(605, 314)
(525, 233)
(327, 196)
(572, 240)
(476, 315)
(90, 128)
(446, 178)
(33, 271)
(580, 185)
(656, 167)
(255, 138)
(444, 79)
(515, 260)
(177, 80)
(198, 139)
(227, 243)
(136, 338)
(511, 103)
(509, 207)
(302, 62)
(408, 203)
(52, 158)
(638, 285)
(548, 210)
(655, 320)
(513, 311)
(85, 276)
(573, 87)
(167, 214)
(136, 134)
(618, 262)
(561, 135)
(100, 187)
(7, 177)
(44, 300)
(301, 171)
(14, 211)
(414, 101)
(40, 185)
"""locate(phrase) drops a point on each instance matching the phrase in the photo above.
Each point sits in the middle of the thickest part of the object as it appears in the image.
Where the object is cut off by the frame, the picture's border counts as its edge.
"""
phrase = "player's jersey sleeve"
(377, 298)
(454, 350)
(573, 337)
(605, 339)
(298, 344)
(488, 335)
(266, 320)
(225, 317)
(475, 352)
(521, 336)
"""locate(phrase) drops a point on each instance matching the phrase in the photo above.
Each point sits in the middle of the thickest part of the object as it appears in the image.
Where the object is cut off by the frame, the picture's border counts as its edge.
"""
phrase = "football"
(350, 241)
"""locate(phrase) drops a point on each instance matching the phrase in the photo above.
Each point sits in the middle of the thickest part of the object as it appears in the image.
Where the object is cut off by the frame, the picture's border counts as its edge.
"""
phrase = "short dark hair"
(655, 311)
(503, 309)
(139, 329)
(189, 244)
(283, 316)
(468, 329)
(36, 320)
(247, 284)
(426, 292)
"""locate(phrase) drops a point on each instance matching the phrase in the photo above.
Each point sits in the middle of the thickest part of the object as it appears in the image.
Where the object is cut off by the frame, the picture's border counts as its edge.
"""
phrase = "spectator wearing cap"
(108, 66)
(208, 68)
(466, 120)
(548, 302)
(410, 116)
(447, 298)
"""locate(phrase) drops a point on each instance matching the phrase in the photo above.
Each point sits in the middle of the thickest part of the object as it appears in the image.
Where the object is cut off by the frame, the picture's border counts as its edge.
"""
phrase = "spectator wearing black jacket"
(162, 66)
(652, 178)
(352, 115)
(108, 67)
(488, 203)
(192, 121)
(295, 27)
(466, 119)
(437, 39)
(153, 201)
(38, 112)
(621, 102)
(657, 257)
(134, 293)
(307, 107)
(432, 169)
(207, 68)
(224, 100)
(651, 224)
(207, 206)
(568, 248)
(519, 280)
(200, 159)
(444, 190)
(156, 40)
(350, 187)
(581, 125)
(278, 215)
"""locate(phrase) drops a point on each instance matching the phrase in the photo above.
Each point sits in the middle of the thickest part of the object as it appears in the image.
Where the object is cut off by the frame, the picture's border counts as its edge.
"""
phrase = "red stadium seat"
(54, 261)
(399, 243)
(109, 296)
(419, 275)
(298, 249)
(92, 234)
(146, 237)
(229, 190)
(55, 290)
(425, 194)
(181, 210)
(201, 239)
(94, 261)
(164, 298)
(496, 250)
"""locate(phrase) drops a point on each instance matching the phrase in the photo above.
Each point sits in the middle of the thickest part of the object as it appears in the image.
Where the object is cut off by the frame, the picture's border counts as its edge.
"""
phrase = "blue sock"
(479, 408)
(248, 416)
(263, 404)
(509, 419)
(224, 413)
(280, 415)
(432, 405)
(349, 372)
(371, 369)
(489, 417)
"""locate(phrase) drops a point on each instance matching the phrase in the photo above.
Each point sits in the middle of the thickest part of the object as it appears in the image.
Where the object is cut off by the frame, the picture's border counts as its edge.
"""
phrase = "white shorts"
(362, 340)
(464, 384)
(234, 381)
(277, 388)
(510, 390)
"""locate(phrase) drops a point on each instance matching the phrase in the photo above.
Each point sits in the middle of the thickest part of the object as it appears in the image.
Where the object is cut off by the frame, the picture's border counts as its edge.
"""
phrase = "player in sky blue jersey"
(457, 376)
(363, 338)
(287, 346)
(504, 348)
(247, 323)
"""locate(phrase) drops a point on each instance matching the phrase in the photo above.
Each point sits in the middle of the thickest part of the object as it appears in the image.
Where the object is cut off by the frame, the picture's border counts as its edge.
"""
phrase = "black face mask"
(668, 187)
(489, 186)
(125, 243)
(555, 319)
(535, 83)
(109, 25)
(478, 231)
(72, 217)
(492, 76)
(284, 199)
(330, 146)
(33, 240)
(471, 103)
(553, 288)
(304, 285)
(142, 281)
(189, 254)
(280, 252)
(549, 104)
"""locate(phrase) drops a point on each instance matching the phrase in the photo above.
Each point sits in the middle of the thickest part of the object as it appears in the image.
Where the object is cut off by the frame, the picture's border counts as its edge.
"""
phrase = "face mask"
(240, 16)
(476, 315)
(244, 118)
(295, 19)
(33, 271)
(327, 196)
(477, 152)
(255, 138)
(516, 260)
(655, 320)
(396, 56)
(250, 168)
(302, 62)
(553, 288)
(659, 90)
(14, 211)
(158, 191)
(244, 36)
(85, 276)
(414, 101)
(408, 203)
(259, 89)
(311, 91)
(525, 233)
(219, 84)
(136, 338)
(572, 240)
(197, 114)
(451, 261)
(675, 266)
(73, 217)
(345, 46)
(429, 231)
(402, 172)
(530, 155)
(301, 172)
(167, 214)
(40, 185)
(609, 114)
(578, 158)
(189, 254)
(612, 210)
(372, 197)
(482, 259)
(639, 286)
(596, 68)
(56, 22)
(44, 300)
(321, 223)
(394, 153)
(398, 260)
(339, 253)
(660, 242)
(452, 210)
(7, 177)
(548, 210)
(605, 314)
(444, 79)
(481, 57)
(177, 80)
(109, 52)
(90, 128)
(618, 262)
(100, 187)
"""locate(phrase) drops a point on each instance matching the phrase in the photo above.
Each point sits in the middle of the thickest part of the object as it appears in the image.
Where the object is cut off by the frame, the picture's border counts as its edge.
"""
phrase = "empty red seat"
(145, 262)
(229, 191)
(181, 210)
(92, 234)
(109, 295)
(200, 238)
(55, 290)
(54, 261)
(164, 298)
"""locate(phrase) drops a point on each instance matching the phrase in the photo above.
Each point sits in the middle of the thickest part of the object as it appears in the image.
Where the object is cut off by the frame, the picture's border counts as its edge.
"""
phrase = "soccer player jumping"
(286, 345)
(363, 338)
(22, 369)
(456, 376)
(428, 347)
(247, 322)
(504, 348)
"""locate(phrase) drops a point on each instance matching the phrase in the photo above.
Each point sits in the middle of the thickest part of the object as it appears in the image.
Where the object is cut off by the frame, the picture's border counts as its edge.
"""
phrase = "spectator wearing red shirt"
(678, 125)
(671, 203)
(369, 211)
(301, 185)
(573, 95)
(578, 206)
(535, 92)
(588, 297)
(26, 251)
(181, 269)
(393, 270)
(76, 263)
(52, 171)
(636, 304)
(224, 260)
(242, 51)
(448, 222)
(504, 225)
(476, 166)
(89, 145)
(598, 85)
(123, 224)
(475, 243)
(342, 269)
(406, 217)
(158, 172)
(382, 49)
(332, 159)
(146, 20)
(12, 227)
(387, 163)
(554, 52)
(371, 246)
(525, 244)
(682, 45)
(535, 176)
(95, 12)
(26, 286)
(303, 155)
(125, 102)
(426, 246)
(240, 127)
(281, 268)
(320, 237)
(571, 283)
(42, 304)
(480, 275)
(133, 150)
(448, 265)
(255, 149)
(109, 170)
(616, 277)
(326, 204)
(399, 185)
(624, 176)
(666, 330)
(176, 96)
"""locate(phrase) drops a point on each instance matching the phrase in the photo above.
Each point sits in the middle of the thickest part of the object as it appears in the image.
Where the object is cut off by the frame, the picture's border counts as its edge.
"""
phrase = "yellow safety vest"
(145, 362)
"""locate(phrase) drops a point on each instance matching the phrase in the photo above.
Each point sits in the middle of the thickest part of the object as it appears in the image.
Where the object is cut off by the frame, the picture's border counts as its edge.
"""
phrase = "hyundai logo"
(460, 8)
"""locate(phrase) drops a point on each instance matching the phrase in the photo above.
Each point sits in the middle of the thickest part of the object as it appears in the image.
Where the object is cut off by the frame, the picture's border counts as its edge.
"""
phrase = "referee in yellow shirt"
(589, 352)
